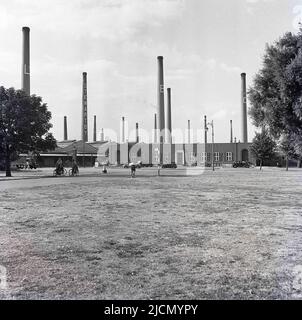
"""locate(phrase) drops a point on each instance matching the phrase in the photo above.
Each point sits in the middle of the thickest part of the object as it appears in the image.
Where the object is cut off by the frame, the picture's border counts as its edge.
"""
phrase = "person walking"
(75, 168)
(133, 169)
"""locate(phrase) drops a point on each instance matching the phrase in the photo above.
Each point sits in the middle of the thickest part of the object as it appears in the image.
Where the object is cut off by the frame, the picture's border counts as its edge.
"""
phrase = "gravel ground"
(232, 234)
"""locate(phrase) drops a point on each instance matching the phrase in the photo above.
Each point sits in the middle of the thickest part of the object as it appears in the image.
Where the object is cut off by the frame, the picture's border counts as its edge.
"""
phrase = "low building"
(118, 154)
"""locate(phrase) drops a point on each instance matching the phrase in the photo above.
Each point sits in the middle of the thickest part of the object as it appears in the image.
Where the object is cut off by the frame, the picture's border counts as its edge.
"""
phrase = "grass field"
(232, 234)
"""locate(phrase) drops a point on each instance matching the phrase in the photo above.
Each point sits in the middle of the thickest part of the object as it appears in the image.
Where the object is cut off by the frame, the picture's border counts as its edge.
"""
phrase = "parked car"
(147, 165)
(172, 165)
(139, 165)
(242, 164)
(24, 163)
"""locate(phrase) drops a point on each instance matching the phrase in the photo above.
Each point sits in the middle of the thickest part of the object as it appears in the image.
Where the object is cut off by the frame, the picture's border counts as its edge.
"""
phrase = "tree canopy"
(276, 93)
(263, 146)
(24, 124)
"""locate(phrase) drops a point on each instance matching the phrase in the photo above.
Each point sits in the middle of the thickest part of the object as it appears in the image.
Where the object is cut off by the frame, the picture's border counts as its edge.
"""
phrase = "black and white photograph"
(151, 150)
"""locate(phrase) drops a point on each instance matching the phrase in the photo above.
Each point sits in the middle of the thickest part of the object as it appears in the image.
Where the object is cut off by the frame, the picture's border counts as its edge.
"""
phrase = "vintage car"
(172, 165)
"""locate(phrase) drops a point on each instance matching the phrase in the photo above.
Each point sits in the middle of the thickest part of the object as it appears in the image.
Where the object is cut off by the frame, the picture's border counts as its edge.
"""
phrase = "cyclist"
(75, 168)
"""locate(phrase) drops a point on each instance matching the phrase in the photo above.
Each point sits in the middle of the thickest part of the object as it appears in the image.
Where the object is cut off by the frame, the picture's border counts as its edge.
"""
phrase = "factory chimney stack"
(155, 128)
(137, 133)
(168, 118)
(84, 109)
(244, 136)
(161, 101)
(231, 128)
(123, 129)
(25, 79)
(205, 130)
(65, 129)
(94, 128)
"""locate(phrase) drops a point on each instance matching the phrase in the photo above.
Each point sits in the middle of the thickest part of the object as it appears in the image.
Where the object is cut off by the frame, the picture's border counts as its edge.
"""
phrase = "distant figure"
(59, 166)
(133, 169)
(27, 164)
(104, 169)
(75, 168)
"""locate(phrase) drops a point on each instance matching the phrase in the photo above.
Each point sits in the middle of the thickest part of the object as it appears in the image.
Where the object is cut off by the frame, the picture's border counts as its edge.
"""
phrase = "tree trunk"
(287, 163)
(7, 162)
(260, 165)
(299, 163)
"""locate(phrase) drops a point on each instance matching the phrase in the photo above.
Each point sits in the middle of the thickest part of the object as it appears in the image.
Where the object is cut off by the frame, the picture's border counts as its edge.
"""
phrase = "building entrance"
(180, 158)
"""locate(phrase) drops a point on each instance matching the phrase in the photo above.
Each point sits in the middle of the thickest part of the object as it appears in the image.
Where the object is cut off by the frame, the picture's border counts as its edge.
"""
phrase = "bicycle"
(73, 172)
(63, 172)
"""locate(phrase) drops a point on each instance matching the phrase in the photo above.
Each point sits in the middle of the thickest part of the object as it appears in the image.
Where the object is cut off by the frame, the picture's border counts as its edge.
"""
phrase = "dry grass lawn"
(234, 234)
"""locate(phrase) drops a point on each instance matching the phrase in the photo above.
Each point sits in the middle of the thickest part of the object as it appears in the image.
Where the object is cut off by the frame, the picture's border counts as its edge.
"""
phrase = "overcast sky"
(206, 44)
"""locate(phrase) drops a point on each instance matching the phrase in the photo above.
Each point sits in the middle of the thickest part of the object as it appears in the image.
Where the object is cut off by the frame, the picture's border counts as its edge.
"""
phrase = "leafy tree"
(263, 147)
(287, 146)
(24, 125)
(276, 93)
(298, 149)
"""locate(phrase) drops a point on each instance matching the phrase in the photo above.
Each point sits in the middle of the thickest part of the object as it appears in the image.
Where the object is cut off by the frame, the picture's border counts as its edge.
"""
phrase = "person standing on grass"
(104, 169)
(75, 168)
(59, 166)
(133, 169)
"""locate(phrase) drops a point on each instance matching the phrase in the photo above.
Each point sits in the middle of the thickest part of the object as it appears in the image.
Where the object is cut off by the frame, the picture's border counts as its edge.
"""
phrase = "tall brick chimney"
(65, 129)
(25, 77)
(244, 136)
(84, 109)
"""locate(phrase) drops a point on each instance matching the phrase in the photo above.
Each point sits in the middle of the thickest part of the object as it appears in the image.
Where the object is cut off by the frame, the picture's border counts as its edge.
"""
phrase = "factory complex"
(162, 150)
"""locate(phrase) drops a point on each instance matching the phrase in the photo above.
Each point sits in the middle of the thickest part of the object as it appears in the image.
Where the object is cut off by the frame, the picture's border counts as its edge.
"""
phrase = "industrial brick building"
(163, 150)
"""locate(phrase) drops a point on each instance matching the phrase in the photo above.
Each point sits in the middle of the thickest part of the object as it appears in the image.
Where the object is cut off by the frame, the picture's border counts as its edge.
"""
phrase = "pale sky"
(206, 44)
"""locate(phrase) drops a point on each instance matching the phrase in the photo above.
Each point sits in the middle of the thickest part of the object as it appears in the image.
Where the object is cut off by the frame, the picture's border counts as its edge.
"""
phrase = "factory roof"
(68, 147)
(81, 147)
(65, 143)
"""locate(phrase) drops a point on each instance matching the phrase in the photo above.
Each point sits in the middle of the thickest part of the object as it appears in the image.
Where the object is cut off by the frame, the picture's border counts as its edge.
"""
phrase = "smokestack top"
(137, 133)
(244, 109)
(26, 29)
(65, 129)
(160, 57)
(84, 73)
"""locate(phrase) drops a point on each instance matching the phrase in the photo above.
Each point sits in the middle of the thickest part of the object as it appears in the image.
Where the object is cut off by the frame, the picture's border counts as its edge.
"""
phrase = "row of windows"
(218, 156)
(205, 157)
